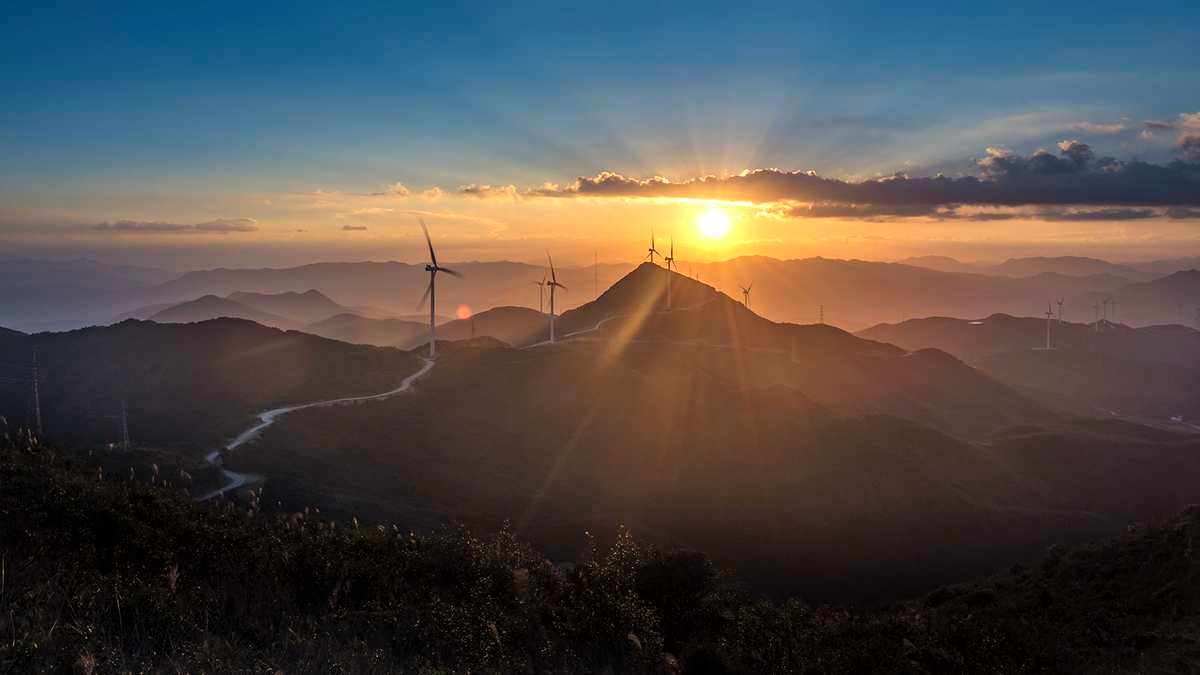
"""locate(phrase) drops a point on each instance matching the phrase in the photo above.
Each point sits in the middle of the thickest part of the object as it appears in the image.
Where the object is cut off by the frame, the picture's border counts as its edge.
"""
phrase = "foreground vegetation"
(107, 574)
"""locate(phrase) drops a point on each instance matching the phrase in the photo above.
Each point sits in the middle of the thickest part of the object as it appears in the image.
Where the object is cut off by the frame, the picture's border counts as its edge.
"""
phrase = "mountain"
(515, 326)
(362, 330)
(192, 384)
(396, 287)
(212, 307)
(793, 451)
(307, 307)
(40, 294)
(1162, 268)
(1070, 266)
(1074, 266)
(942, 263)
(1152, 371)
(1171, 299)
(857, 294)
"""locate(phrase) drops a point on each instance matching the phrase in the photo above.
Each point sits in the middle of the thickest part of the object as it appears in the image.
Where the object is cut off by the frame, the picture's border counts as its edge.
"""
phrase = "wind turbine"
(746, 294)
(670, 258)
(651, 252)
(553, 284)
(1049, 318)
(1060, 315)
(541, 293)
(1096, 310)
(433, 268)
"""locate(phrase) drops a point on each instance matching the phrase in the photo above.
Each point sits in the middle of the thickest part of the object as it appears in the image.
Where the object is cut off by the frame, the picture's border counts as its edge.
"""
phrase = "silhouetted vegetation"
(106, 574)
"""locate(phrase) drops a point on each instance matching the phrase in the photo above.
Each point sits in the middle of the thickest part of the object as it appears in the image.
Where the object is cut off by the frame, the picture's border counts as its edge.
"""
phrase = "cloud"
(1102, 127)
(353, 228)
(509, 192)
(1073, 176)
(1180, 213)
(1100, 214)
(220, 226)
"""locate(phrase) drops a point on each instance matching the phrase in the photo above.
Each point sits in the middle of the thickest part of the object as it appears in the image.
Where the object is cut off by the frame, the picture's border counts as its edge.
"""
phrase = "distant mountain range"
(852, 294)
(813, 459)
(1152, 371)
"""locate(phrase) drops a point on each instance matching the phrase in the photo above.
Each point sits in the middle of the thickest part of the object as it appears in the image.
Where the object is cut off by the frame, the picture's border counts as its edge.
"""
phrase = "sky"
(274, 134)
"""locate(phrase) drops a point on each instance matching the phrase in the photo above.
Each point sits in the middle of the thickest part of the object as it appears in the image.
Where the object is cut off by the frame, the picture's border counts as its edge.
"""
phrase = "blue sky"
(146, 110)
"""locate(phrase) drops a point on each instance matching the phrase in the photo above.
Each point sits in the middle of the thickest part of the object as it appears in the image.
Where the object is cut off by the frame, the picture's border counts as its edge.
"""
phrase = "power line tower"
(37, 399)
(124, 426)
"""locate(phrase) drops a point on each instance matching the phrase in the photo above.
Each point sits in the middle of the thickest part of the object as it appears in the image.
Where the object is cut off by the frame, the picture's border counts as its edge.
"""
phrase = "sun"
(713, 223)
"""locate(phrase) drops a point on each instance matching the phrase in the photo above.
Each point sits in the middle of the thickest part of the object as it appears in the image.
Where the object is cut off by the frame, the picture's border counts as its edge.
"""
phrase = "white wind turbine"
(541, 293)
(433, 268)
(553, 284)
(651, 252)
(670, 258)
(746, 294)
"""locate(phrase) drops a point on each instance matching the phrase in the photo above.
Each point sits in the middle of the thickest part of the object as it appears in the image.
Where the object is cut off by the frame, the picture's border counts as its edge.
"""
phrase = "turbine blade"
(432, 255)
(425, 298)
(453, 273)
(553, 276)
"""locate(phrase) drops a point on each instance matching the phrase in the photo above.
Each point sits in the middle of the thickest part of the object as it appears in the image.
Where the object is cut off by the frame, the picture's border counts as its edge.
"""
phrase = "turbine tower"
(124, 426)
(553, 284)
(1049, 318)
(746, 294)
(541, 293)
(37, 399)
(433, 268)
(651, 252)
(670, 258)
(1096, 310)
(1060, 314)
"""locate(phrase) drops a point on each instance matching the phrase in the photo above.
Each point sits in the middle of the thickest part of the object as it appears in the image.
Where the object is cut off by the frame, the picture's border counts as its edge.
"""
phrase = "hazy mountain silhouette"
(362, 330)
(515, 326)
(212, 307)
(855, 294)
(1152, 371)
(195, 384)
(306, 307)
(1075, 266)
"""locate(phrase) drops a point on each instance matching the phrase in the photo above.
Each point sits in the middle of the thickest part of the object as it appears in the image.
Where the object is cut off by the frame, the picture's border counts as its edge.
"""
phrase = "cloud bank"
(219, 226)
(1071, 176)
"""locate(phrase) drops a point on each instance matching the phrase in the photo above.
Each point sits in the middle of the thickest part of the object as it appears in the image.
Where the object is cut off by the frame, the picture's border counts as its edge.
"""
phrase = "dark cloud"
(353, 228)
(1100, 214)
(859, 211)
(1189, 148)
(1074, 176)
(1181, 213)
(220, 226)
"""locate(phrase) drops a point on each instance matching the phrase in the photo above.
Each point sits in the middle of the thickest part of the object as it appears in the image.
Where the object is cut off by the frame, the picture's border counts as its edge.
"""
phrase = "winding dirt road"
(235, 480)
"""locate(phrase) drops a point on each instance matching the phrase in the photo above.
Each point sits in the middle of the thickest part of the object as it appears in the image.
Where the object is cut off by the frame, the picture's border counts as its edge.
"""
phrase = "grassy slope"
(118, 575)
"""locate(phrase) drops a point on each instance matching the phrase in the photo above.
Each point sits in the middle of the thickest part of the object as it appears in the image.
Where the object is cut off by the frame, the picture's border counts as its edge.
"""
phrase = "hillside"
(1150, 371)
(190, 384)
(367, 331)
(216, 589)
(856, 294)
(1171, 299)
(210, 307)
(307, 307)
(1074, 266)
(516, 326)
